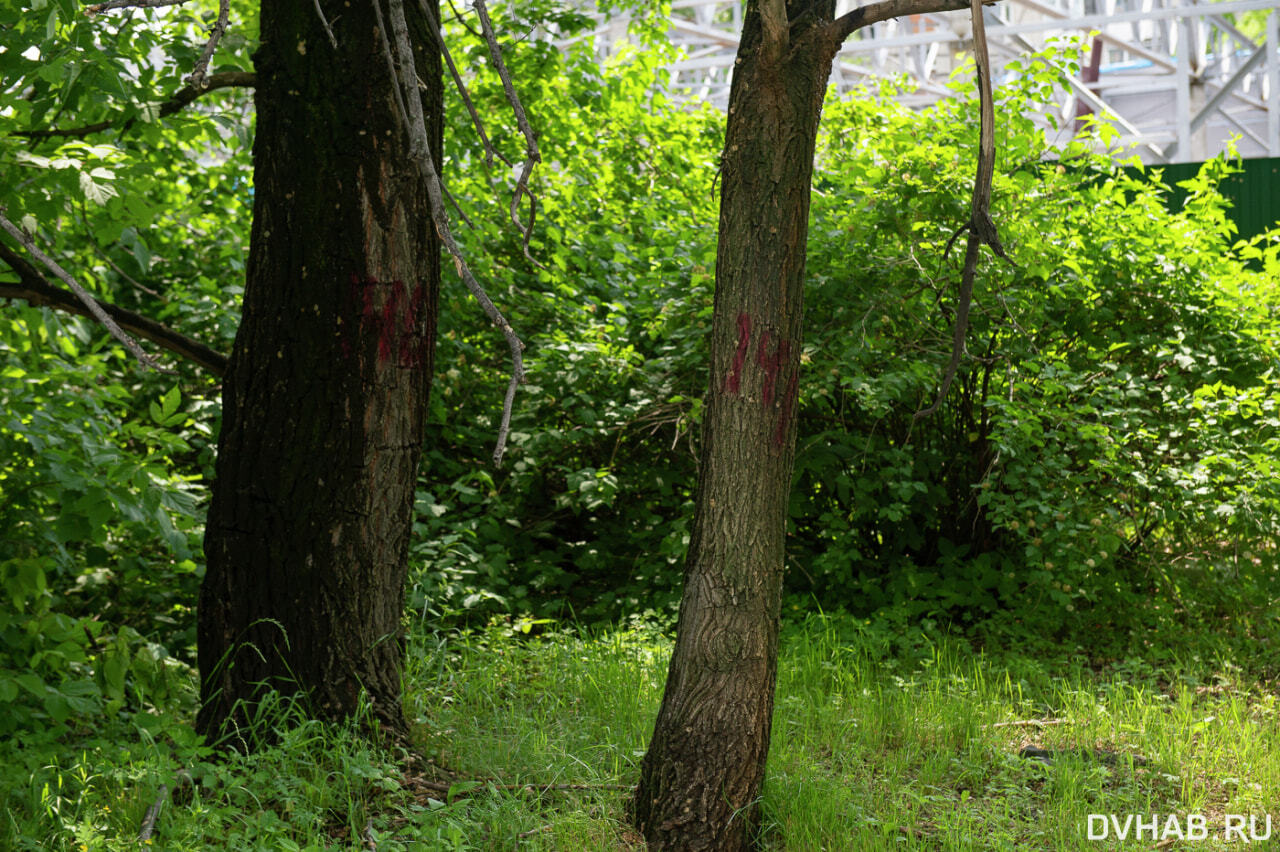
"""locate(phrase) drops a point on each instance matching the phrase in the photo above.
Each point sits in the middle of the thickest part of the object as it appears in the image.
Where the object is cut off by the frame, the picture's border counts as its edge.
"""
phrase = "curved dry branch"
(399, 56)
(182, 98)
(981, 227)
(531, 156)
(35, 289)
(199, 74)
(489, 151)
(98, 8)
(873, 13)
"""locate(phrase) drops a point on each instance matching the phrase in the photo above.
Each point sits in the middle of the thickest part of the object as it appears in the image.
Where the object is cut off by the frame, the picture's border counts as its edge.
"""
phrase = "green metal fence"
(1254, 192)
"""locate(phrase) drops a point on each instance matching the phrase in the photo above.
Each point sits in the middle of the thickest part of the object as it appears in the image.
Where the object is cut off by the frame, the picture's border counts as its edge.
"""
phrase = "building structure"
(1175, 79)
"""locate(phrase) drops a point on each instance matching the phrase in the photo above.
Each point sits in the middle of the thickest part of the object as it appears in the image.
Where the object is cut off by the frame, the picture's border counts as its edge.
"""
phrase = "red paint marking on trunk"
(416, 302)
(788, 403)
(762, 358)
(387, 325)
(410, 354)
(771, 364)
(734, 380)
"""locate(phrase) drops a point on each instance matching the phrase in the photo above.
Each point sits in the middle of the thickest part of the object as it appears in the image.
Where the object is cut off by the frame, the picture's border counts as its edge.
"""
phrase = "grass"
(871, 751)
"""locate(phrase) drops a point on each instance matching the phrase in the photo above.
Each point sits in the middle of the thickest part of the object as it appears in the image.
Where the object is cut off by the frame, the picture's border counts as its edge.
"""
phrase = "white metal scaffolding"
(1176, 79)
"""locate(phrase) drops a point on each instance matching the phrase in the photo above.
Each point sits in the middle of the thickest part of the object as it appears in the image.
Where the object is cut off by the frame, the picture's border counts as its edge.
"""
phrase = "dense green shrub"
(101, 500)
(100, 532)
(1107, 440)
(1116, 411)
(592, 506)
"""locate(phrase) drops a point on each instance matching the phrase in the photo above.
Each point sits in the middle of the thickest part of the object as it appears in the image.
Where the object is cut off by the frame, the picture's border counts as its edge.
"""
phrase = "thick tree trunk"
(324, 401)
(701, 779)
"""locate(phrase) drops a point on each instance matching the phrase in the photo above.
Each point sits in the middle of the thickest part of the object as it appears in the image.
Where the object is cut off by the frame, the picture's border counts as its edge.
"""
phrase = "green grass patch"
(917, 746)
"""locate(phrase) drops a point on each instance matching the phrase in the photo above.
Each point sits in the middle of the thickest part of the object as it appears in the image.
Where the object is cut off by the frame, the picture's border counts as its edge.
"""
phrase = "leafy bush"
(1107, 439)
(592, 507)
(1114, 413)
(97, 560)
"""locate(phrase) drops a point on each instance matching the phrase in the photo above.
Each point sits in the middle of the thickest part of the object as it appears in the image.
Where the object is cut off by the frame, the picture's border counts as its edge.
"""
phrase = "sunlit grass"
(871, 750)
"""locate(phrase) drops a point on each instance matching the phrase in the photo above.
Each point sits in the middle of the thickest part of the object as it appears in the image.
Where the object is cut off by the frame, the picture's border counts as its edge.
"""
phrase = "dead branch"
(411, 116)
(324, 22)
(35, 289)
(873, 13)
(197, 78)
(91, 303)
(457, 16)
(489, 151)
(456, 206)
(98, 8)
(153, 813)
(982, 230)
(448, 789)
(532, 155)
(180, 99)
(1028, 723)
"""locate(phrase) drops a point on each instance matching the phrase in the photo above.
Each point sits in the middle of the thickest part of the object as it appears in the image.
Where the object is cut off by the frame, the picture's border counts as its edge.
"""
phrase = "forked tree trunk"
(324, 401)
(701, 779)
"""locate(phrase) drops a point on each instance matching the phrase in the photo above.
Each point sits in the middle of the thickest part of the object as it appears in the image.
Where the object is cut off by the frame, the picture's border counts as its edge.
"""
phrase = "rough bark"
(701, 778)
(325, 396)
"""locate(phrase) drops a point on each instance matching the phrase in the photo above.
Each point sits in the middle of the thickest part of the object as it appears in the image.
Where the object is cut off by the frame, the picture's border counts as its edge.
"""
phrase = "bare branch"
(961, 327)
(88, 300)
(197, 78)
(402, 113)
(456, 206)
(981, 228)
(100, 252)
(98, 8)
(457, 16)
(35, 289)
(489, 151)
(153, 813)
(183, 97)
(199, 72)
(522, 121)
(328, 30)
(982, 224)
(1027, 723)
(882, 10)
(414, 121)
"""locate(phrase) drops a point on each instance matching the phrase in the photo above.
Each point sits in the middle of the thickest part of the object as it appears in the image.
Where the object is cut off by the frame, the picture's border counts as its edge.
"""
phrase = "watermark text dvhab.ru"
(1235, 828)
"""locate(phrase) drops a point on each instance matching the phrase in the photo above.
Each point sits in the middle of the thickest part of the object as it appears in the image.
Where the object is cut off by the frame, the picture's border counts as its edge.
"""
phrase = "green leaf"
(460, 787)
(169, 402)
(96, 192)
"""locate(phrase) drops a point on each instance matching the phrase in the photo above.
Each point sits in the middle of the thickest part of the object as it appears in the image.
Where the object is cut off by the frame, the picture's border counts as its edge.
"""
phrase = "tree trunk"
(324, 401)
(700, 781)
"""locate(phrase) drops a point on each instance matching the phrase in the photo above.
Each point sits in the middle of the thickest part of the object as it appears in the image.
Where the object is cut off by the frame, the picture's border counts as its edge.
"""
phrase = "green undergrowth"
(879, 742)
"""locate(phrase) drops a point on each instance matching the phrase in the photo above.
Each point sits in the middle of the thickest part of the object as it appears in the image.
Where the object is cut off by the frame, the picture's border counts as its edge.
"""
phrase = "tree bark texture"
(326, 393)
(701, 778)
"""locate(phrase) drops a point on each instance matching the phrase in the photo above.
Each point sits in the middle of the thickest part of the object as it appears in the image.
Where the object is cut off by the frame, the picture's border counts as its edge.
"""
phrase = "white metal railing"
(1177, 79)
